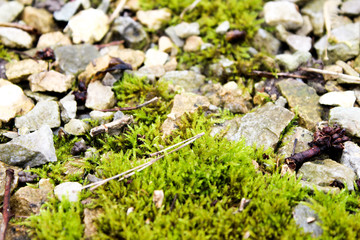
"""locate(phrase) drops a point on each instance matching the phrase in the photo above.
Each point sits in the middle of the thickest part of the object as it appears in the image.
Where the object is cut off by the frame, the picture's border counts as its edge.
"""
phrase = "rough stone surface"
(68, 190)
(155, 57)
(99, 96)
(98, 64)
(15, 38)
(262, 127)
(156, 70)
(304, 99)
(303, 137)
(39, 96)
(10, 10)
(133, 57)
(284, 13)
(350, 7)
(17, 71)
(14, 182)
(292, 61)
(351, 156)
(306, 28)
(76, 127)
(88, 26)
(301, 215)
(39, 19)
(348, 118)
(184, 29)
(51, 81)
(264, 40)
(132, 31)
(13, 101)
(314, 9)
(342, 99)
(153, 19)
(44, 113)
(31, 150)
(67, 11)
(102, 117)
(223, 27)
(165, 44)
(68, 107)
(193, 44)
(53, 39)
(74, 58)
(187, 80)
(322, 173)
(299, 43)
(170, 31)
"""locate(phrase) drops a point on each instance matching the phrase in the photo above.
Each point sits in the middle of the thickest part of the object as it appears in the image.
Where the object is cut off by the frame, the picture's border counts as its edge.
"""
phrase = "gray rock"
(184, 29)
(350, 7)
(104, 5)
(188, 80)
(33, 149)
(15, 38)
(303, 137)
(351, 156)
(109, 80)
(306, 28)
(68, 190)
(292, 61)
(223, 27)
(346, 46)
(44, 113)
(299, 43)
(39, 96)
(99, 96)
(264, 40)
(73, 59)
(76, 127)
(10, 10)
(302, 214)
(155, 57)
(102, 117)
(262, 127)
(281, 101)
(303, 98)
(322, 173)
(314, 9)
(156, 71)
(284, 13)
(170, 31)
(67, 11)
(348, 118)
(68, 107)
(342, 99)
(132, 31)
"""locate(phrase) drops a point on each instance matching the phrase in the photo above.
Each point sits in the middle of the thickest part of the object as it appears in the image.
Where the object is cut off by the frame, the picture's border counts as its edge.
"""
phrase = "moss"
(5, 54)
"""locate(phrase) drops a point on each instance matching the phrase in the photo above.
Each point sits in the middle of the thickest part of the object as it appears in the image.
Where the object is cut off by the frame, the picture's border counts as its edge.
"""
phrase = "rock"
(165, 44)
(44, 113)
(347, 68)
(33, 149)
(39, 96)
(53, 39)
(351, 156)
(299, 43)
(346, 46)
(314, 9)
(67, 11)
(304, 99)
(90, 218)
(292, 61)
(262, 127)
(155, 57)
(184, 29)
(332, 68)
(187, 80)
(133, 57)
(264, 40)
(170, 31)
(76, 127)
(348, 118)
(68, 190)
(156, 70)
(342, 99)
(99, 96)
(28, 200)
(281, 33)
(223, 27)
(284, 13)
(14, 182)
(51, 81)
(15, 38)
(68, 107)
(183, 103)
(158, 198)
(322, 174)
(88, 26)
(281, 101)
(13, 101)
(306, 28)
(102, 117)
(98, 64)
(75, 168)
(39, 19)
(302, 214)
(74, 58)
(193, 44)
(350, 7)
(132, 31)
(109, 80)
(10, 10)
(303, 137)
(104, 5)
(20, 70)
(171, 64)
(153, 19)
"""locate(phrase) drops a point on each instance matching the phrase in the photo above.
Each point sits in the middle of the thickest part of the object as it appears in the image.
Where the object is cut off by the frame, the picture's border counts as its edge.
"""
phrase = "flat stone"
(184, 29)
(292, 61)
(153, 19)
(44, 113)
(193, 44)
(67, 11)
(350, 7)
(223, 27)
(170, 31)
(156, 70)
(351, 156)
(74, 58)
(132, 31)
(99, 96)
(15, 38)
(264, 40)
(13, 101)
(68, 190)
(332, 68)
(304, 99)
(33, 149)
(155, 57)
(10, 10)
(76, 127)
(284, 13)
(102, 117)
(88, 26)
(51, 81)
(14, 182)
(306, 28)
(20, 70)
(53, 39)
(37, 97)
(301, 215)
(262, 127)
(303, 137)
(68, 107)
(133, 57)
(165, 44)
(39, 19)
(299, 43)
(187, 80)
(314, 9)
(322, 173)
(342, 99)
(98, 64)
(348, 118)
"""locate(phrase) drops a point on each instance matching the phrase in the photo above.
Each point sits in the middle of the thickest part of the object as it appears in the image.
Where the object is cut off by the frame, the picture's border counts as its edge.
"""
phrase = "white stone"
(68, 190)
(155, 57)
(102, 117)
(348, 118)
(51, 81)
(184, 29)
(68, 107)
(20, 70)
(76, 127)
(88, 26)
(153, 19)
(351, 156)
(342, 99)
(223, 27)
(299, 43)
(99, 96)
(15, 38)
(10, 10)
(53, 39)
(193, 44)
(283, 12)
(165, 44)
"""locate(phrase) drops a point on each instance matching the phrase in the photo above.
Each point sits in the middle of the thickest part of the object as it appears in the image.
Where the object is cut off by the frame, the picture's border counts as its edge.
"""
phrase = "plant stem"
(6, 206)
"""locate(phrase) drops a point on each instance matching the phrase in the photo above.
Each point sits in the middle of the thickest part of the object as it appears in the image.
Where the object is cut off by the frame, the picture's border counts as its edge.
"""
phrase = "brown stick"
(131, 108)
(19, 26)
(269, 74)
(114, 43)
(6, 206)
(108, 127)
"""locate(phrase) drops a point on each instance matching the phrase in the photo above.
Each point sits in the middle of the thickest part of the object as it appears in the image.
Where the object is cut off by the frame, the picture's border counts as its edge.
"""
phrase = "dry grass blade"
(117, 11)
(315, 70)
(189, 8)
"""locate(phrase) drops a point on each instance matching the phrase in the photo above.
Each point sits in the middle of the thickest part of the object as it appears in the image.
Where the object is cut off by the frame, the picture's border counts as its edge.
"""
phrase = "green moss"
(5, 54)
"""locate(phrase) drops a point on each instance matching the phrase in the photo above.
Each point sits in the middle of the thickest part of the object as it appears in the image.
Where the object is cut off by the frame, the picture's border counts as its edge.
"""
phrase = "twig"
(19, 26)
(141, 167)
(6, 205)
(114, 43)
(189, 8)
(269, 74)
(131, 108)
(114, 125)
(117, 10)
(341, 75)
(173, 203)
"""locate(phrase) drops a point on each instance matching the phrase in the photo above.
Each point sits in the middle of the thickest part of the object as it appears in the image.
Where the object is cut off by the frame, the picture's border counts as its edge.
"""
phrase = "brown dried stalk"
(282, 74)
(19, 26)
(6, 206)
(131, 108)
(111, 126)
(315, 70)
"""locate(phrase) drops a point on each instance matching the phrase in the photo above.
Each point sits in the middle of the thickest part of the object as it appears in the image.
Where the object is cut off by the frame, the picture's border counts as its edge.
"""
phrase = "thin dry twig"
(131, 108)
(141, 167)
(282, 74)
(114, 125)
(19, 26)
(189, 8)
(114, 43)
(321, 71)
(6, 206)
(117, 11)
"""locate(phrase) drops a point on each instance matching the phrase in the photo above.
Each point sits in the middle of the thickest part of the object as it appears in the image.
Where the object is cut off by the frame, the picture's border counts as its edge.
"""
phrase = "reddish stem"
(6, 206)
